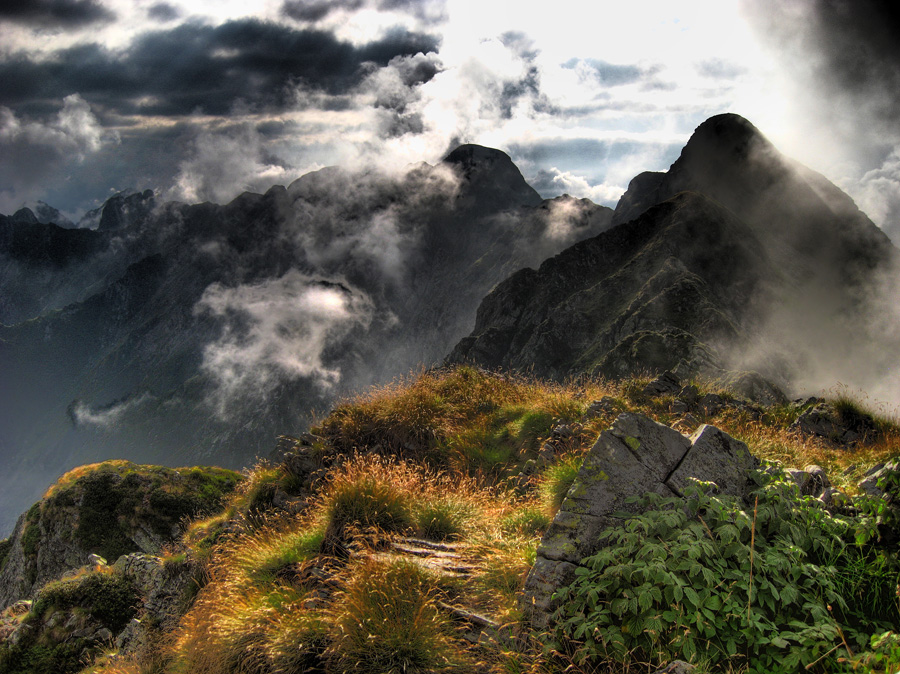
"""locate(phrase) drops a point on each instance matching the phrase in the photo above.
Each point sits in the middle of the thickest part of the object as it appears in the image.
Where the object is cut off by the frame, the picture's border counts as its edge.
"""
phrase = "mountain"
(181, 334)
(736, 259)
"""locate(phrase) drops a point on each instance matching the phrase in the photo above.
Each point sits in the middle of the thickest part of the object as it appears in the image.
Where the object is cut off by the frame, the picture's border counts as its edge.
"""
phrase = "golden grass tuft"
(387, 621)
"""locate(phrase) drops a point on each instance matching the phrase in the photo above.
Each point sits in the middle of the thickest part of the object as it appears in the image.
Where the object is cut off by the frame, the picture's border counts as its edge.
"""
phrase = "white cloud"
(34, 150)
(566, 182)
(277, 330)
(224, 164)
(109, 416)
(75, 129)
(877, 193)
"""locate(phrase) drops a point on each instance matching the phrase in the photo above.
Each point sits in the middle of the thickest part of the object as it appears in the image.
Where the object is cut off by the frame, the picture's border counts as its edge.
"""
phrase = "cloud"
(195, 67)
(316, 10)
(55, 13)
(553, 181)
(225, 163)
(395, 89)
(381, 218)
(278, 330)
(720, 69)
(108, 416)
(313, 11)
(609, 74)
(845, 53)
(33, 150)
(163, 12)
(877, 194)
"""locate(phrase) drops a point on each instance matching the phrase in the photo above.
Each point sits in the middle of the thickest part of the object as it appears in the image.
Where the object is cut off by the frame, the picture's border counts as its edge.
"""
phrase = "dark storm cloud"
(855, 46)
(581, 151)
(196, 67)
(54, 13)
(316, 10)
(163, 11)
(311, 11)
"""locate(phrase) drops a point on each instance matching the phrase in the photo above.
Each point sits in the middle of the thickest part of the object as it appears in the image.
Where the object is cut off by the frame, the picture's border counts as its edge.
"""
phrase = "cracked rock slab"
(634, 457)
(716, 457)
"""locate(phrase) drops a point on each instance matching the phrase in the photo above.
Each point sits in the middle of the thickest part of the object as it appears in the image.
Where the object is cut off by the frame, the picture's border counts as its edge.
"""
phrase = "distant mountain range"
(195, 334)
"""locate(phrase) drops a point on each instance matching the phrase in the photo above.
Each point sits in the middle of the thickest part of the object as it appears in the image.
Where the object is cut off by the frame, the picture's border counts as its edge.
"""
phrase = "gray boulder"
(824, 420)
(634, 457)
(163, 589)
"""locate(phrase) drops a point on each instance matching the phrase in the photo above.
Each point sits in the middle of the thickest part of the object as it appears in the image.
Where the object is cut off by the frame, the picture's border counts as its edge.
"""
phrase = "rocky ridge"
(735, 260)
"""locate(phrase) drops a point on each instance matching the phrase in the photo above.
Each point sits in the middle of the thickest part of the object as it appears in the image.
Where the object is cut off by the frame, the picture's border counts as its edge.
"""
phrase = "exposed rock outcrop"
(635, 456)
(105, 511)
(842, 426)
(164, 590)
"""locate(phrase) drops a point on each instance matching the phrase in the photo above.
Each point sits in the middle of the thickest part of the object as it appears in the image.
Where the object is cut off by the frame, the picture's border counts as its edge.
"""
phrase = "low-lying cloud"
(33, 149)
(106, 417)
(224, 164)
(278, 330)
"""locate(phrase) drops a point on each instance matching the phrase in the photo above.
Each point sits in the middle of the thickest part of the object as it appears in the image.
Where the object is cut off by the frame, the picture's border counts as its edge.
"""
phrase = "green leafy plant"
(707, 579)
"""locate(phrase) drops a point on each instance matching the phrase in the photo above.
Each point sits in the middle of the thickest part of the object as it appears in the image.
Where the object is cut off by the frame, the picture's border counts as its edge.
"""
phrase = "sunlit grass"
(386, 621)
(434, 456)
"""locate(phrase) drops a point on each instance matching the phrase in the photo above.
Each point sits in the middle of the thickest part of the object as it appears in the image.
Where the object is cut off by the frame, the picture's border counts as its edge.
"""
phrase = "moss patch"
(115, 498)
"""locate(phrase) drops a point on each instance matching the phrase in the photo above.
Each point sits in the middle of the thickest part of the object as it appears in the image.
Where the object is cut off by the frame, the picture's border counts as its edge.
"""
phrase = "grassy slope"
(463, 458)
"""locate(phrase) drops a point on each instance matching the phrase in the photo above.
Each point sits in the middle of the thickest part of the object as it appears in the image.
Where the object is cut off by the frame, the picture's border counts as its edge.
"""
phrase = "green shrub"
(675, 582)
(109, 598)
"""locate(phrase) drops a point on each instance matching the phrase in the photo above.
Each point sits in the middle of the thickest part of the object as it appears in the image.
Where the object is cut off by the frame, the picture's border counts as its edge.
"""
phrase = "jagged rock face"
(111, 510)
(162, 591)
(665, 289)
(635, 456)
(792, 209)
(736, 259)
(197, 334)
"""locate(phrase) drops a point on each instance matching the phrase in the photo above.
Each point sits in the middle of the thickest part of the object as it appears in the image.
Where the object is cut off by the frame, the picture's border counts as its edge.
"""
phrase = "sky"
(201, 101)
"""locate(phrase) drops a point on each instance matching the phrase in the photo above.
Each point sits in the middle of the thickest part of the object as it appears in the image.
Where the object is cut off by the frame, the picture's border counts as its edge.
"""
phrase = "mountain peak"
(722, 141)
(727, 127)
(470, 155)
(24, 216)
(487, 170)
